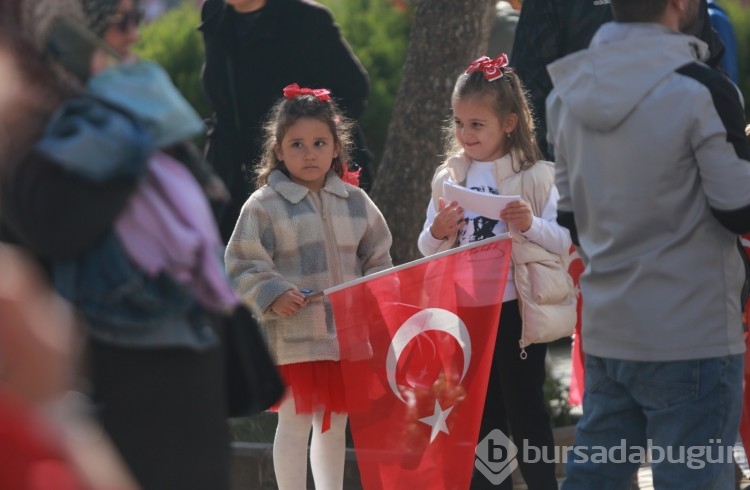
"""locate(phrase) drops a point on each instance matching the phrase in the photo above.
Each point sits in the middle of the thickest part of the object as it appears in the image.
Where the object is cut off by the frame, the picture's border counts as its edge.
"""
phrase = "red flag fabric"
(745, 420)
(575, 391)
(416, 347)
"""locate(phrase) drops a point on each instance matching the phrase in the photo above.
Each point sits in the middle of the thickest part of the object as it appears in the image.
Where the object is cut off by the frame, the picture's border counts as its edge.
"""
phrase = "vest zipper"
(521, 343)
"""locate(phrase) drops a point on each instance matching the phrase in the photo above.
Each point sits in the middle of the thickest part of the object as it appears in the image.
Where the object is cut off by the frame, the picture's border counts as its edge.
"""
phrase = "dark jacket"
(291, 41)
(60, 202)
(550, 29)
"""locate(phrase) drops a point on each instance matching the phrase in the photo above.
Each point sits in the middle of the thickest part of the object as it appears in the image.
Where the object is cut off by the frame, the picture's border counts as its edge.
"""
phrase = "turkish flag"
(745, 420)
(416, 346)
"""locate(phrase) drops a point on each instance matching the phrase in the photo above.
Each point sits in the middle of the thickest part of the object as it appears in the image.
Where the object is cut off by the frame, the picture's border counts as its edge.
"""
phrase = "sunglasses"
(124, 21)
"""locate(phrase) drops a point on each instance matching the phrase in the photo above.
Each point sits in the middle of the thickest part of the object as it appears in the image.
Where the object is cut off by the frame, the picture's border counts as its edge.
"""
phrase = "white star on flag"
(437, 420)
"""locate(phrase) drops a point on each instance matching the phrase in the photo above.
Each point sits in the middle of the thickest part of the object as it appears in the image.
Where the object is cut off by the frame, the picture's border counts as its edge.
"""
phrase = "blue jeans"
(687, 411)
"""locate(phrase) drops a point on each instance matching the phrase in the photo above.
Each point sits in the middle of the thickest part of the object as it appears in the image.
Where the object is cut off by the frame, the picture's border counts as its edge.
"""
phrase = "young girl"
(305, 229)
(494, 151)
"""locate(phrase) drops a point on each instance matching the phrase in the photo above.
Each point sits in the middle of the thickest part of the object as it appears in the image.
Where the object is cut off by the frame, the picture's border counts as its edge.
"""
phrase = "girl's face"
(479, 131)
(308, 150)
(122, 32)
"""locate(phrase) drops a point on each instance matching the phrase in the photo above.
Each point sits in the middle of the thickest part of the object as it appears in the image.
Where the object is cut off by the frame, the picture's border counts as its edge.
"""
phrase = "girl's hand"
(288, 303)
(518, 213)
(448, 221)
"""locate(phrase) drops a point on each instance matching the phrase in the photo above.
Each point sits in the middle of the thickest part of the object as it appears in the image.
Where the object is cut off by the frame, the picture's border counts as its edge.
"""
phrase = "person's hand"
(216, 190)
(518, 213)
(288, 303)
(448, 220)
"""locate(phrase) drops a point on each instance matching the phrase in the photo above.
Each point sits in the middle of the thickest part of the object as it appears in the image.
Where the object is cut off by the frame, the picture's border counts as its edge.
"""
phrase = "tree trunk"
(446, 36)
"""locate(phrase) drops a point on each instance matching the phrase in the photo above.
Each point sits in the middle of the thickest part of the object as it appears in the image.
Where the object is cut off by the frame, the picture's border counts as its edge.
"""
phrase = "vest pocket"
(549, 282)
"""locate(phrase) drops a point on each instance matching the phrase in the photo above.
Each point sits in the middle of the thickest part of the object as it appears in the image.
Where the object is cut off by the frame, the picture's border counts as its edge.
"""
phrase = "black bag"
(253, 382)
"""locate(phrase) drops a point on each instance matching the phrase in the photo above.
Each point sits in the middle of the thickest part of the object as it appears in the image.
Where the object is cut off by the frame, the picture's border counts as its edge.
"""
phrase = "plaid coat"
(290, 238)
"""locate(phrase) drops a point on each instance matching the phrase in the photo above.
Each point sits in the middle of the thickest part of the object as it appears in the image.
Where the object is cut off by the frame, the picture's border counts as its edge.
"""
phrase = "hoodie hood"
(597, 85)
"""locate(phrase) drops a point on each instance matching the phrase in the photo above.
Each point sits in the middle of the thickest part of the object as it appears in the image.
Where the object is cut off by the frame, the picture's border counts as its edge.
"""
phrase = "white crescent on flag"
(423, 321)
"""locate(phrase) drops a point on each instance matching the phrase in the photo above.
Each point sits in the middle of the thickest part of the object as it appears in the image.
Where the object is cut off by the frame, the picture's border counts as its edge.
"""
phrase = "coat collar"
(294, 193)
(217, 14)
(458, 166)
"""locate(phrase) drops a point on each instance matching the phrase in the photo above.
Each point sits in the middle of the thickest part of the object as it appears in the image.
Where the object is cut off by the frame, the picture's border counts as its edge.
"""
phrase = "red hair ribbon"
(492, 68)
(351, 177)
(294, 90)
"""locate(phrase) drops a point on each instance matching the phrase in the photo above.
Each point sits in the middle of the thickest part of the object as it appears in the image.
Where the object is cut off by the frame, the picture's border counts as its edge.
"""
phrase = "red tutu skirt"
(316, 386)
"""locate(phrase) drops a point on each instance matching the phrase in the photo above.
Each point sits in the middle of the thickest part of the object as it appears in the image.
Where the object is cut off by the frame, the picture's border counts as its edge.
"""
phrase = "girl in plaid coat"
(305, 229)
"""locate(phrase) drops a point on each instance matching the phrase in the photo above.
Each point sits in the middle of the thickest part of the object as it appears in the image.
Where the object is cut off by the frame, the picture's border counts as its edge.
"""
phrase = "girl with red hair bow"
(305, 230)
(492, 150)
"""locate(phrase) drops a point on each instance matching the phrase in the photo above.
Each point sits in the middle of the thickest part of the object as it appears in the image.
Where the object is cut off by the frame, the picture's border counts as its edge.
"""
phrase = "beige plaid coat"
(288, 237)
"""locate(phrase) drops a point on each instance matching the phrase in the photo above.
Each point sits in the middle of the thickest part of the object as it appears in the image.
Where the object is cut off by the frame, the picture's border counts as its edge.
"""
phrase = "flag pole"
(413, 263)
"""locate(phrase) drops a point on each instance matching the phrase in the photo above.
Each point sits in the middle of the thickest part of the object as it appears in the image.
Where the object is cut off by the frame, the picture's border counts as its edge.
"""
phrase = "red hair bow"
(351, 176)
(492, 68)
(294, 90)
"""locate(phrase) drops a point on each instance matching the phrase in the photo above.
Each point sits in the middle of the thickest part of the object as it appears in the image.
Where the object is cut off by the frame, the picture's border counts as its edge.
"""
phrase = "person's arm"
(55, 213)
(721, 149)
(249, 260)
(187, 153)
(333, 65)
(427, 243)
(546, 231)
(67, 192)
(537, 43)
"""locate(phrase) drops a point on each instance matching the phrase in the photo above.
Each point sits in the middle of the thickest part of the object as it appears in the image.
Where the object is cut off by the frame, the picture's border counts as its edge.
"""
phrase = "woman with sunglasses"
(120, 31)
(124, 232)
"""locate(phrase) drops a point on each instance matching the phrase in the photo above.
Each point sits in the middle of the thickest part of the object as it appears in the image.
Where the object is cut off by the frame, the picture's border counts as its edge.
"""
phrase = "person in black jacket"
(254, 48)
(550, 29)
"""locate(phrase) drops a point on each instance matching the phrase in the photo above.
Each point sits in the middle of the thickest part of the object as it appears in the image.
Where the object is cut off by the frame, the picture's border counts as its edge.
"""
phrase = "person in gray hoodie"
(653, 172)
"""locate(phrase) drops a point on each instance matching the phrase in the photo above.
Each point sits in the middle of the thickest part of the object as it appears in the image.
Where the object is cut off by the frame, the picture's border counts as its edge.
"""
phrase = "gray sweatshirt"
(649, 151)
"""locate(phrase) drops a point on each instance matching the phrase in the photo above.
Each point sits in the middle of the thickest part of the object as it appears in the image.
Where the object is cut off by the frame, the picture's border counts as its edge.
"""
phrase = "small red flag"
(745, 419)
(575, 392)
(416, 346)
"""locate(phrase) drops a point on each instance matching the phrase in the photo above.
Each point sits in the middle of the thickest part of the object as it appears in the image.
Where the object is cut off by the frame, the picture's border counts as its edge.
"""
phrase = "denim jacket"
(120, 302)
(123, 305)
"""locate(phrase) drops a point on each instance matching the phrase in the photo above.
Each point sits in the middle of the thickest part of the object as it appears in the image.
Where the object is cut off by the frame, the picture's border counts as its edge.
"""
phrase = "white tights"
(327, 450)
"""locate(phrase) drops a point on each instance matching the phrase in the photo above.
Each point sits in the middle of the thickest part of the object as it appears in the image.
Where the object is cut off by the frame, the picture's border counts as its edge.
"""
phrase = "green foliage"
(740, 17)
(174, 42)
(378, 33)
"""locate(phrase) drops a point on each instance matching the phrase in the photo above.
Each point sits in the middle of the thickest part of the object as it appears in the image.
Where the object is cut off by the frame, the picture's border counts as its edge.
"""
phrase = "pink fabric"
(168, 227)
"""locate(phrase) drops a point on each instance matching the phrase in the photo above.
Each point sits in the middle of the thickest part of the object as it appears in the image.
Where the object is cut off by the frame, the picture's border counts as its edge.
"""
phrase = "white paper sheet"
(487, 205)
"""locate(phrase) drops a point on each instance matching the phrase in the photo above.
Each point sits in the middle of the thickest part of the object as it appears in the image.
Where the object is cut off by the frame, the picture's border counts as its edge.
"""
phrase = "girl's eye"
(296, 144)
(320, 143)
(477, 125)
(457, 123)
